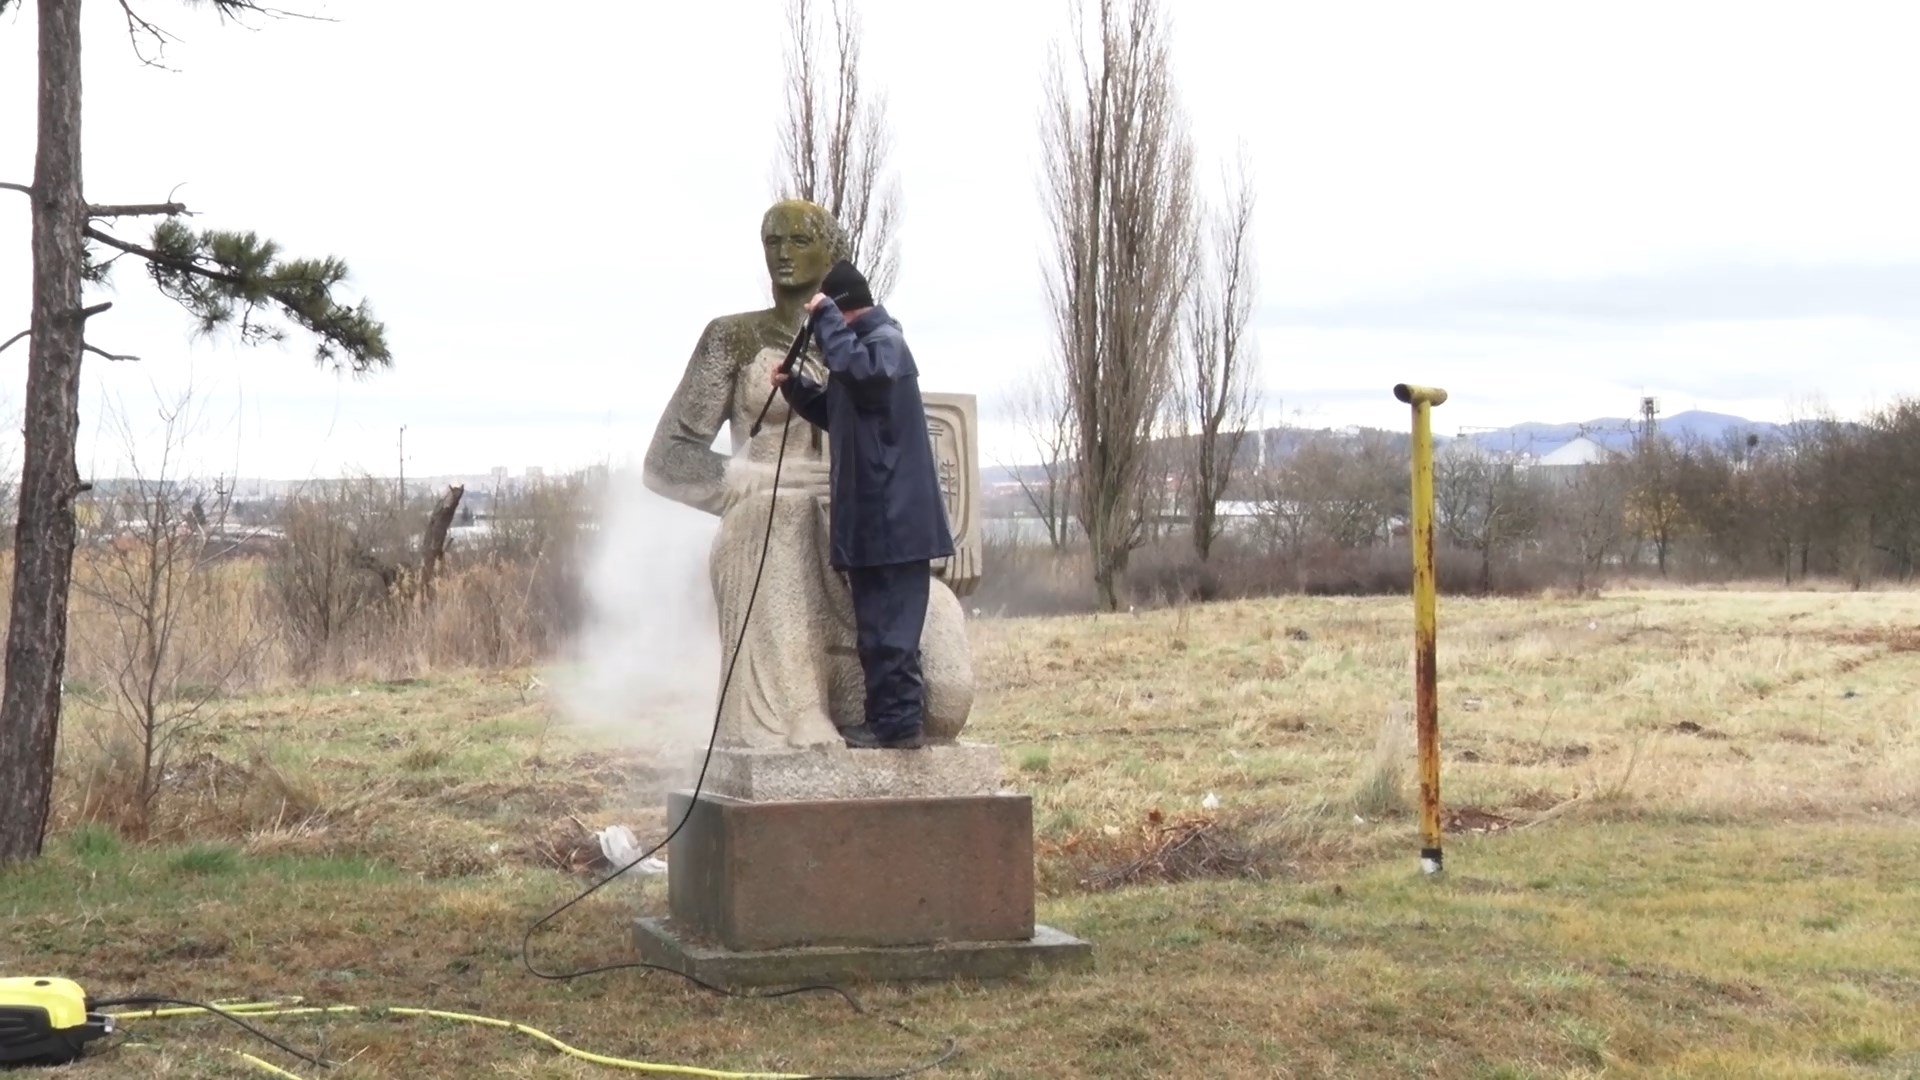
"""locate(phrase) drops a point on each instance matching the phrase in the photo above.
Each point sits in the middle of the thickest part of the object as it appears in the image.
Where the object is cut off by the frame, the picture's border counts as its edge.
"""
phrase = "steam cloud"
(645, 667)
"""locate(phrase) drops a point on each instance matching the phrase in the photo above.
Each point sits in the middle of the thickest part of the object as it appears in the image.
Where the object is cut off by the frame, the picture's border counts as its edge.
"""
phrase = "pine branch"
(98, 351)
(225, 278)
(21, 188)
(158, 259)
(166, 209)
(8, 344)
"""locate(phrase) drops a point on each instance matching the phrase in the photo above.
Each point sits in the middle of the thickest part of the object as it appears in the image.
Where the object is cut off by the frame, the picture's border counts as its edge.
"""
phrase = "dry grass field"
(1682, 843)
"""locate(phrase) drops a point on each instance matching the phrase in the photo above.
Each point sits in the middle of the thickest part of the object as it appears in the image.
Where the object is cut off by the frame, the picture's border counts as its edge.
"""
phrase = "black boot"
(862, 737)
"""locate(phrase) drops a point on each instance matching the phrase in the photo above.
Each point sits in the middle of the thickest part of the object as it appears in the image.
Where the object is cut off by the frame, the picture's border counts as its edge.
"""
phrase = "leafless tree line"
(1819, 498)
(184, 589)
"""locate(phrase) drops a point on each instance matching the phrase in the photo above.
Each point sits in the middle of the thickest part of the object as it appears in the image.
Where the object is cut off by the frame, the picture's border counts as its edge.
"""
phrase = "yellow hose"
(270, 1008)
(266, 1066)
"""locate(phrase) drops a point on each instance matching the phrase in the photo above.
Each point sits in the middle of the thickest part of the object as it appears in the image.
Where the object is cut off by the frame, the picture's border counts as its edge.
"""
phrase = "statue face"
(798, 254)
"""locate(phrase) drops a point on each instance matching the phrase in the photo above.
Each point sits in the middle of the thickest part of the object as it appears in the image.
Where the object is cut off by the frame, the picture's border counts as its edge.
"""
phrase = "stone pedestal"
(853, 865)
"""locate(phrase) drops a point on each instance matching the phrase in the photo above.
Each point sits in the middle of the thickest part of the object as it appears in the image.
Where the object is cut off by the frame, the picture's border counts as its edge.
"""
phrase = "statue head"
(801, 241)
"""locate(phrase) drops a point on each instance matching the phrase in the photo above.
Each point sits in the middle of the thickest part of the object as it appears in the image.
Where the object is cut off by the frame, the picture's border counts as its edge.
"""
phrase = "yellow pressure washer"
(46, 1022)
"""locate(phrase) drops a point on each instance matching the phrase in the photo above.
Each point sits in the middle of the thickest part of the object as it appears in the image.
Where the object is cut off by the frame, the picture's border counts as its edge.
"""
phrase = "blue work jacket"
(886, 505)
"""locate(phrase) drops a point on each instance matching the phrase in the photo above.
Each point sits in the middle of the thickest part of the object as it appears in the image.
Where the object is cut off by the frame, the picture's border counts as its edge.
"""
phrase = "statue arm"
(681, 463)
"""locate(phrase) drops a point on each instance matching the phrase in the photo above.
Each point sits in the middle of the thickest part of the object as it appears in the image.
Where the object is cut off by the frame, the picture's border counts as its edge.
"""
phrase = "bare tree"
(1482, 503)
(834, 140)
(170, 639)
(1039, 408)
(1590, 509)
(224, 279)
(1895, 434)
(1118, 195)
(1282, 513)
(1217, 387)
(1655, 512)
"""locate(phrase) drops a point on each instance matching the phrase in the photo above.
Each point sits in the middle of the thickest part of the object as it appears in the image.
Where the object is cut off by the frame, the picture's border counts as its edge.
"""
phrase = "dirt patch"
(1701, 731)
(1800, 738)
(1895, 639)
(1696, 986)
(1538, 799)
(620, 769)
(1121, 732)
(1473, 819)
(192, 948)
(1569, 754)
(540, 798)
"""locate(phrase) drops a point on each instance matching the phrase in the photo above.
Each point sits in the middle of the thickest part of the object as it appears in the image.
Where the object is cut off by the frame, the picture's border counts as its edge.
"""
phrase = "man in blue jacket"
(887, 518)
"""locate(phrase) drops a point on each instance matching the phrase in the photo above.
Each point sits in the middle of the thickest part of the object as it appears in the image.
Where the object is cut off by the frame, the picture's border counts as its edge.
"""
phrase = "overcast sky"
(1547, 213)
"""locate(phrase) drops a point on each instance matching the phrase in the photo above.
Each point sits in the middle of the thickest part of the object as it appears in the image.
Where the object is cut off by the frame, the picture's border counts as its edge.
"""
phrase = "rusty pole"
(1426, 625)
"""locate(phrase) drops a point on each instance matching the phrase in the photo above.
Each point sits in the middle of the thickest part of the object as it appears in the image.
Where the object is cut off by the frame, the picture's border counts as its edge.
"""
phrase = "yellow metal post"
(1425, 619)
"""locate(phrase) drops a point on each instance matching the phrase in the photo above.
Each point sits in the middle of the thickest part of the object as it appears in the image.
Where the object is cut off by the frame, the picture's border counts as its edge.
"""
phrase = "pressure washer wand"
(786, 367)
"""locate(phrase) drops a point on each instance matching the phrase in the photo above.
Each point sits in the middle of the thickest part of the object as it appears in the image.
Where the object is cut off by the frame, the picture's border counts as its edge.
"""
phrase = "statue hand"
(805, 476)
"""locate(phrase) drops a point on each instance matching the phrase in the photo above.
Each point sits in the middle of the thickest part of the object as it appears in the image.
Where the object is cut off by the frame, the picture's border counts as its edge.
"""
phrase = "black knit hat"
(846, 287)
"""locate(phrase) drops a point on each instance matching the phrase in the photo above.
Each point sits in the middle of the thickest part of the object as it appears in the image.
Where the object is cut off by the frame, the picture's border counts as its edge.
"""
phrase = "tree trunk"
(1203, 526)
(49, 480)
(434, 550)
(1106, 585)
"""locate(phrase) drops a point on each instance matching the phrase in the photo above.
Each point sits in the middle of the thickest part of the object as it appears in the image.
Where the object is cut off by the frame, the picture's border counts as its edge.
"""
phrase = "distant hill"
(1617, 432)
(1534, 437)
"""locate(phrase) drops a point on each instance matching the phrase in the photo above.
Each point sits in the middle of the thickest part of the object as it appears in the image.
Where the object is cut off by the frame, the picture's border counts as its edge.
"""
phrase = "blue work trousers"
(889, 612)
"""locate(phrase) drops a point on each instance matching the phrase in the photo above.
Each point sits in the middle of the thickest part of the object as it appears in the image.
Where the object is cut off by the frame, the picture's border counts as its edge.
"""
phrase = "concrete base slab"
(660, 943)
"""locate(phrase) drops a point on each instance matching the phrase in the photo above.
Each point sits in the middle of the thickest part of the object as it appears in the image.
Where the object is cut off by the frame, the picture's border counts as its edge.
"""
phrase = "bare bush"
(535, 547)
(340, 561)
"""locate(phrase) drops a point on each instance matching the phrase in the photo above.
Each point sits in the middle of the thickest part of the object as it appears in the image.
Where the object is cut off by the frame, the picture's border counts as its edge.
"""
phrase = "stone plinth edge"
(942, 770)
(661, 943)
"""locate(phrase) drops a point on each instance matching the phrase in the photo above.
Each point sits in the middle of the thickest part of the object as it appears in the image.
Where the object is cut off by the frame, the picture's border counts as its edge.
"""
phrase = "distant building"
(1580, 451)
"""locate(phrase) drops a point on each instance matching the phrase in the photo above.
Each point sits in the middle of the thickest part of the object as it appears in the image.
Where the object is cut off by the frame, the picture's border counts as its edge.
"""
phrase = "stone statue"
(797, 679)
